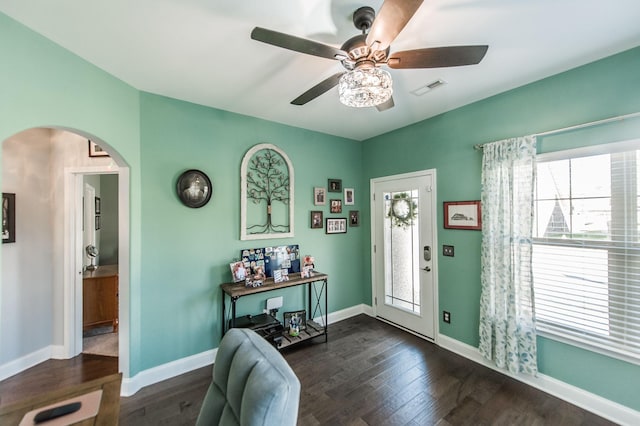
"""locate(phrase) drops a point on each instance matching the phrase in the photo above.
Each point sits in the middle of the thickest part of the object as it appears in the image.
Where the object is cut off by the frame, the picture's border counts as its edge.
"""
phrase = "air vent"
(428, 87)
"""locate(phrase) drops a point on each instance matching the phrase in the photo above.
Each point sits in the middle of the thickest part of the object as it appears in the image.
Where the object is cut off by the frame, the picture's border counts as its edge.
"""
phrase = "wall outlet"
(274, 303)
(447, 251)
(446, 317)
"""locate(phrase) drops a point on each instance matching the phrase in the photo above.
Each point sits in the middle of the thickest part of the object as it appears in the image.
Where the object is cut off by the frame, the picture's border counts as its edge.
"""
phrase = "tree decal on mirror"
(267, 193)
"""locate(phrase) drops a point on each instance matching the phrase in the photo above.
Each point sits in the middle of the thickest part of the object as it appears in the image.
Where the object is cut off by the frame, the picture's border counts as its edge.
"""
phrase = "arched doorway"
(59, 157)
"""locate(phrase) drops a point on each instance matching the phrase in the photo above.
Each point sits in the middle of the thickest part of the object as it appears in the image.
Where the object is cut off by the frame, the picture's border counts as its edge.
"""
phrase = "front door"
(404, 251)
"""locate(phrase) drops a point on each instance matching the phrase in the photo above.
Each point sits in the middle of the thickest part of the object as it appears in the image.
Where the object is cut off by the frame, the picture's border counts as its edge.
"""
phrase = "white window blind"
(586, 254)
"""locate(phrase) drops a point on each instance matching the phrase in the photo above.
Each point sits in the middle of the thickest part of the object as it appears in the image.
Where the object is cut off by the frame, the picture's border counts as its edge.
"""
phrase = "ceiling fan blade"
(297, 44)
(437, 57)
(318, 89)
(391, 19)
(387, 105)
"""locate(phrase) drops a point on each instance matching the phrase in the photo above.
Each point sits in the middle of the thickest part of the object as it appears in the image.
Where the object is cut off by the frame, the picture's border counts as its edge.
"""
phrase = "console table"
(316, 288)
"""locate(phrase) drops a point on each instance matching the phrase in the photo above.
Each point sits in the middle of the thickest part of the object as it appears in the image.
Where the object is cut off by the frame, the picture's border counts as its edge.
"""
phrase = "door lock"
(428, 269)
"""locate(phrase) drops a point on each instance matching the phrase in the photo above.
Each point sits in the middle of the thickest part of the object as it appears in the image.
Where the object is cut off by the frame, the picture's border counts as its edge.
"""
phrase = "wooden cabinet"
(100, 297)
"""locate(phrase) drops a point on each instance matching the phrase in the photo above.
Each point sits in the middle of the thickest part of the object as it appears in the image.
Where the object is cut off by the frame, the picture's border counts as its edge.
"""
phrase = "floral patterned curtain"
(507, 325)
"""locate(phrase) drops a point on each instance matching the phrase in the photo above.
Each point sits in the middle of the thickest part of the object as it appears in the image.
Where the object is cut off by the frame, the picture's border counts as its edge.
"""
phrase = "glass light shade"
(365, 87)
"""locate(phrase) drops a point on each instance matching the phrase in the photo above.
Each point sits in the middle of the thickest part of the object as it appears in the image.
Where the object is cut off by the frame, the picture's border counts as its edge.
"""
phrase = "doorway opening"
(43, 271)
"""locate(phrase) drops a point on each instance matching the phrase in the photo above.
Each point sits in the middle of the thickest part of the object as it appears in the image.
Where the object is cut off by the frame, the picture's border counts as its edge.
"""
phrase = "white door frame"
(73, 260)
(434, 224)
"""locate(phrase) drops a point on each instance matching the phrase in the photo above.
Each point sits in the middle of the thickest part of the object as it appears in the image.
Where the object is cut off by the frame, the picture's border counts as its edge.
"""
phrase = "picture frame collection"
(331, 195)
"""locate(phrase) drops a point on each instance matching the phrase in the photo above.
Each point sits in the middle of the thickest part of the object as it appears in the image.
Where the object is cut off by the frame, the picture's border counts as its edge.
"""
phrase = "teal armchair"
(252, 384)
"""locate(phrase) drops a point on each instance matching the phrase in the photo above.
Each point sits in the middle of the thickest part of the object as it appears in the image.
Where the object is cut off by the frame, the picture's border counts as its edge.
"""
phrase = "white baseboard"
(14, 367)
(166, 371)
(596, 404)
(345, 314)
(162, 372)
(172, 369)
(59, 352)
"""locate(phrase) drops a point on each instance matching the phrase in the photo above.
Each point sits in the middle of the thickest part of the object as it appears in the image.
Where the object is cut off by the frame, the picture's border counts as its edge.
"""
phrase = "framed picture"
(238, 271)
(462, 215)
(335, 185)
(298, 317)
(336, 225)
(96, 150)
(97, 223)
(194, 188)
(336, 206)
(349, 197)
(354, 218)
(316, 219)
(8, 217)
(319, 196)
(97, 204)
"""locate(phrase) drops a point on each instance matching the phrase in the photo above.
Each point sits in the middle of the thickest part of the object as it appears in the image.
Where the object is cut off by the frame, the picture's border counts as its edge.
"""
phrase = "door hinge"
(429, 189)
(375, 300)
(374, 248)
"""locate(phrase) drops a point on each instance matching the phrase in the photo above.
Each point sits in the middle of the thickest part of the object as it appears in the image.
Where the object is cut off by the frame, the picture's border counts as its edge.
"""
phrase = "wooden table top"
(239, 289)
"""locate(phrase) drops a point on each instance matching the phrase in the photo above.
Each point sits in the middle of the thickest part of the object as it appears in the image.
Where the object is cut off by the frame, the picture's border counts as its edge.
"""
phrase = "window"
(586, 253)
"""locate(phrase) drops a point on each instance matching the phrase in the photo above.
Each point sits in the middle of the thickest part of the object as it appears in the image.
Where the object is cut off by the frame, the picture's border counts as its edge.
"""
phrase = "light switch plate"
(447, 251)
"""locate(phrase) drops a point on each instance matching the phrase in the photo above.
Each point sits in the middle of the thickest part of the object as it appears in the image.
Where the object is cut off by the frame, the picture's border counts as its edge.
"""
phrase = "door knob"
(428, 269)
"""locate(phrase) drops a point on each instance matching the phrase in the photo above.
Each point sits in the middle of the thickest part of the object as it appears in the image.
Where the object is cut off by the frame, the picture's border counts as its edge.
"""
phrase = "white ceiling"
(200, 51)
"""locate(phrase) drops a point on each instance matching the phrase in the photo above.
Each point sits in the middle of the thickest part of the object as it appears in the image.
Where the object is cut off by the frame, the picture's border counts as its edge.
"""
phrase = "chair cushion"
(252, 384)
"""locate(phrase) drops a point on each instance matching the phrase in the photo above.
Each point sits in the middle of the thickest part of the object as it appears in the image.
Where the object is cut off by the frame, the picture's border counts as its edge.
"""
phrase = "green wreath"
(403, 210)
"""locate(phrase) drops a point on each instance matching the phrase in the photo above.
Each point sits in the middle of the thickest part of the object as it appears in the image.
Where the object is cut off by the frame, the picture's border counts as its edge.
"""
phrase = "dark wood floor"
(369, 373)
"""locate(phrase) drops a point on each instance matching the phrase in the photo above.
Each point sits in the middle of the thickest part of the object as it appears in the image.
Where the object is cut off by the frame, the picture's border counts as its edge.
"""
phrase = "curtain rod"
(577, 126)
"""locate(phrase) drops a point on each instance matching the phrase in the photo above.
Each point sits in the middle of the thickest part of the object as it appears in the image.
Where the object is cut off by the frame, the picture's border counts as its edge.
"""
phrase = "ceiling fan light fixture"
(365, 87)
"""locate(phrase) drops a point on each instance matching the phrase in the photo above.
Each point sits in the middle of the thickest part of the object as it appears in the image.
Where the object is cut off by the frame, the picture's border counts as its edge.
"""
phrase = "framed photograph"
(316, 219)
(335, 185)
(97, 223)
(97, 203)
(194, 188)
(336, 206)
(96, 151)
(319, 196)
(354, 218)
(462, 215)
(8, 217)
(298, 317)
(349, 197)
(336, 225)
(238, 271)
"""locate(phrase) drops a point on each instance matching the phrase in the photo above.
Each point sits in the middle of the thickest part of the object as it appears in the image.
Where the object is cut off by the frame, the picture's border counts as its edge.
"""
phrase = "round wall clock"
(194, 188)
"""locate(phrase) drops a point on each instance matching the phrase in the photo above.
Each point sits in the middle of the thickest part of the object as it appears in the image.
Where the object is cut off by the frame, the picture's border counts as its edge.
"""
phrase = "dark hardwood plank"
(368, 373)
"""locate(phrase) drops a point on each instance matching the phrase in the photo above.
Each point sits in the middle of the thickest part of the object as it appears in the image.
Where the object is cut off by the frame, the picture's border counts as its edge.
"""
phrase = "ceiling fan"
(364, 83)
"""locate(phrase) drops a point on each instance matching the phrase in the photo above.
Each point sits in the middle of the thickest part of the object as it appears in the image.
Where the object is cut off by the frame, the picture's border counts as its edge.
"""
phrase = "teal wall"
(186, 252)
(606, 88)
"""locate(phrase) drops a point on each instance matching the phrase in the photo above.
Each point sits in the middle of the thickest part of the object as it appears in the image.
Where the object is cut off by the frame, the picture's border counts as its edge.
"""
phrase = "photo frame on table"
(334, 185)
(297, 316)
(463, 215)
(96, 151)
(319, 196)
(8, 217)
(336, 225)
(238, 271)
(349, 197)
(316, 219)
(336, 206)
